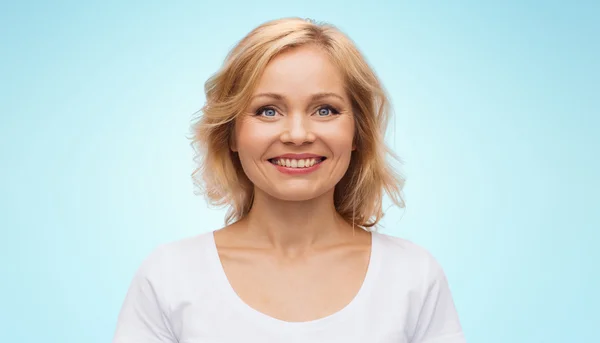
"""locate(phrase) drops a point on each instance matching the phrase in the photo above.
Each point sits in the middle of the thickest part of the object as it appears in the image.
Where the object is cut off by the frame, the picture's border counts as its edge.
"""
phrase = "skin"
(293, 257)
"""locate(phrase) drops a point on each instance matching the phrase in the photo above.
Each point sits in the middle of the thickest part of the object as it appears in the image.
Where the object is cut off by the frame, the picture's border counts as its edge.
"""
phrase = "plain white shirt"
(181, 294)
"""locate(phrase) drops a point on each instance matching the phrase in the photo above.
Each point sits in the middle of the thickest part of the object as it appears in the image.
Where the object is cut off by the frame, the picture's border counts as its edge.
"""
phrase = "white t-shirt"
(181, 294)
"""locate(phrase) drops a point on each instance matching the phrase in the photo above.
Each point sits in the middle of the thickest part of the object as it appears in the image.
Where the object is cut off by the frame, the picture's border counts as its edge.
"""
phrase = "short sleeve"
(141, 319)
(438, 320)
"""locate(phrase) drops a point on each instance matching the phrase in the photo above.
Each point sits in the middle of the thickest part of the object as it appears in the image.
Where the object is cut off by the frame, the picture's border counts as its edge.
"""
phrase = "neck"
(292, 227)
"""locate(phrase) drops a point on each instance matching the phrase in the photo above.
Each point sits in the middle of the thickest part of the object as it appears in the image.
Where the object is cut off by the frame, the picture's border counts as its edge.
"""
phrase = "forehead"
(301, 71)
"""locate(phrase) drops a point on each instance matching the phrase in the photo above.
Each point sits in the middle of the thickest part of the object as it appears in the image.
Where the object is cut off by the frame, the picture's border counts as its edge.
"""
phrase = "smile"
(304, 165)
(297, 163)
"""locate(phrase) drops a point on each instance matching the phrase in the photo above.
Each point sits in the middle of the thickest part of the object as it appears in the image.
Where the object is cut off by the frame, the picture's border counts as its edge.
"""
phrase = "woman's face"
(295, 139)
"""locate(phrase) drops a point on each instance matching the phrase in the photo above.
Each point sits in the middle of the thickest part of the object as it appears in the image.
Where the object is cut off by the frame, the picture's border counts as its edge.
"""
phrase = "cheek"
(245, 132)
(340, 137)
(252, 139)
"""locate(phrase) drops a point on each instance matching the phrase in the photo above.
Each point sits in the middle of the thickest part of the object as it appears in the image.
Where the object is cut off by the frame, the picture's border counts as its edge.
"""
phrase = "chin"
(294, 197)
(295, 193)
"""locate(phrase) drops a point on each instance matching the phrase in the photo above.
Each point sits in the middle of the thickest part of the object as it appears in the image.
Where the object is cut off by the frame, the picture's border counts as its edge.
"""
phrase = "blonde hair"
(219, 176)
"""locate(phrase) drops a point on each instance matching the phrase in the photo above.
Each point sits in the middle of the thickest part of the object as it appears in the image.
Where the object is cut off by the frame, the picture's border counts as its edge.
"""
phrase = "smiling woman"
(297, 111)
(291, 138)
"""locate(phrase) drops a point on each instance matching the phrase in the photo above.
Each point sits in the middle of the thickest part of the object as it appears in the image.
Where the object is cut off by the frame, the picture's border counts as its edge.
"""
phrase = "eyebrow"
(317, 96)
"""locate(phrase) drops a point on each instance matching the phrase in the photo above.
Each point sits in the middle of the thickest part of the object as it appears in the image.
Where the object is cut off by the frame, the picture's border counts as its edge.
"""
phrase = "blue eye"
(267, 112)
(327, 111)
(324, 111)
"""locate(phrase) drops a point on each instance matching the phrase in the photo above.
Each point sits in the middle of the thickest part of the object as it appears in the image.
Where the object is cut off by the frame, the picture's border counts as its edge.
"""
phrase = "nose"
(297, 130)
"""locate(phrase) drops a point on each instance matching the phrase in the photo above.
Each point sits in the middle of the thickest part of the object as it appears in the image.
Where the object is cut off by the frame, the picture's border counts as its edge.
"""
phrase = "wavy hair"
(218, 173)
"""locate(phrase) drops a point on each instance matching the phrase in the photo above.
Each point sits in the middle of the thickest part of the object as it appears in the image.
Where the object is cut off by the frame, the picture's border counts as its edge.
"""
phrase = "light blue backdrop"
(497, 120)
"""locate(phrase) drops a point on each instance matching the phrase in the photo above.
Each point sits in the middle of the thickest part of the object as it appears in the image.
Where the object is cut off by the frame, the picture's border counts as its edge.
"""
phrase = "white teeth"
(291, 163)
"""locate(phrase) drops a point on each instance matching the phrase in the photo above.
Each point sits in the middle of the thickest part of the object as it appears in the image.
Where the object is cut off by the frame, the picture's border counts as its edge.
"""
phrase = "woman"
(291, 137)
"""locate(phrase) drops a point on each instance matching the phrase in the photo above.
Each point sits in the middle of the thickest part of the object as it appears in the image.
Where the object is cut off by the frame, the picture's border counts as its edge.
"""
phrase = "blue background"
(496, 119)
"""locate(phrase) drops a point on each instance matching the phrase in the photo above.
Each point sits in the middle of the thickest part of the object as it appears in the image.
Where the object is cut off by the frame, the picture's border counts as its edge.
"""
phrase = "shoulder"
(402, 258)
(418, 282)
(403, 250)
(169, 260)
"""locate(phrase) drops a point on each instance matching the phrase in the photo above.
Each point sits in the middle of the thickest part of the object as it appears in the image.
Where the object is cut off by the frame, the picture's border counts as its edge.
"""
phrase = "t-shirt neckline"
(260, 318)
